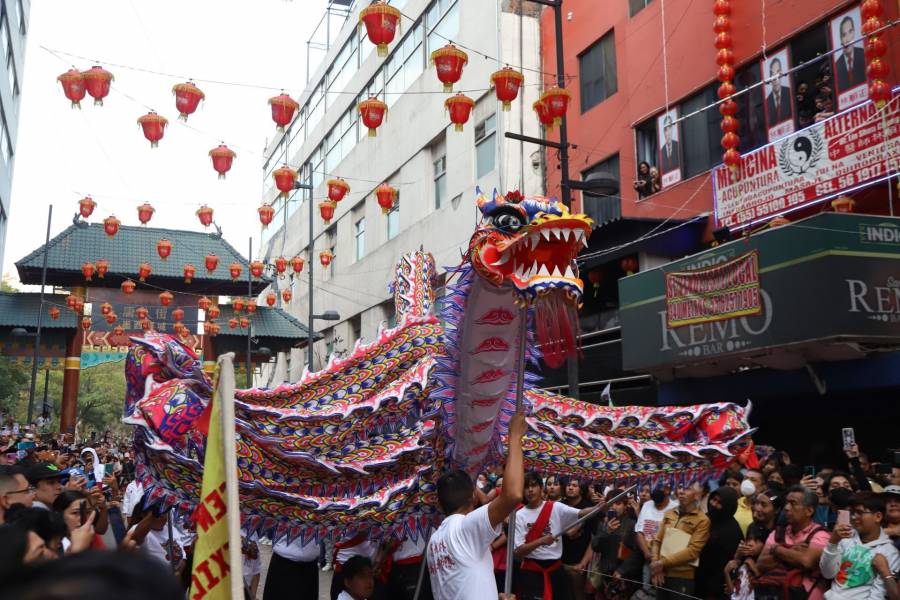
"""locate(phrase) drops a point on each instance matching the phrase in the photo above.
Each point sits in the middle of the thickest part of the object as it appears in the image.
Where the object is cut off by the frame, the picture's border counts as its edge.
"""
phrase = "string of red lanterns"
(725, 61)
(449, 62)
(875, 48)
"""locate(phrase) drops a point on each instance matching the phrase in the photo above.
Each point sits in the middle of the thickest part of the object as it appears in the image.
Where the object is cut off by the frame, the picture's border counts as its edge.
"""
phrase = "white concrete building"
(434, 168)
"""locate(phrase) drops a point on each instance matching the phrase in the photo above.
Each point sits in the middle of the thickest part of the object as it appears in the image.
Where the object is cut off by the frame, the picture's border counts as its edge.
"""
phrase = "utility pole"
(40, 320)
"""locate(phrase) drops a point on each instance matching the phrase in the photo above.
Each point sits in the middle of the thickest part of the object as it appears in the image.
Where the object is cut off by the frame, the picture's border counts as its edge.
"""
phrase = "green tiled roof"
(131, 246)
(265, 323)
(21, 310)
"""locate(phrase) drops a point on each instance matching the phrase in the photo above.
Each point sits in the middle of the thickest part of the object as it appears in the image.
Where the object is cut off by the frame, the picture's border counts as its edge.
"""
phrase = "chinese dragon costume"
(359, 445)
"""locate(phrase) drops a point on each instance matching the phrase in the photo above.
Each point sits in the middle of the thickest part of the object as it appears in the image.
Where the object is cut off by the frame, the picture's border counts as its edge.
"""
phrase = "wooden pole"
(226, 396)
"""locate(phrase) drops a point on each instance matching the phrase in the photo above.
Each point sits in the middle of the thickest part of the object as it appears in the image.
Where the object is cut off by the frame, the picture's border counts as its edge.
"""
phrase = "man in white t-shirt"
(538, 525)
(459, 552)
(293, 570)
(133, 493)
(652, 514)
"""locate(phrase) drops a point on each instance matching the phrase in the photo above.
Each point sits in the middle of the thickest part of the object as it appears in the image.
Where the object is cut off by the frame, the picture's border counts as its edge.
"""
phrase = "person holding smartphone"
(79, 517)
(620, 557)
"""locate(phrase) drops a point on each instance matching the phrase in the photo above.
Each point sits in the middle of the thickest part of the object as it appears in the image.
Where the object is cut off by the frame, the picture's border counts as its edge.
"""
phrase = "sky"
(63, 154)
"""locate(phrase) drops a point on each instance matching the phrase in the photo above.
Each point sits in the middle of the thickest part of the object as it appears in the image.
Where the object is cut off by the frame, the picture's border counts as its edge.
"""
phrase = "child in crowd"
(359, 579)
(741, 573)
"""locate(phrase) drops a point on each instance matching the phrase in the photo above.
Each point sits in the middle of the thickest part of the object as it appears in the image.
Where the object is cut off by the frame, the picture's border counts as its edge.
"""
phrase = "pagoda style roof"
(265, 323)
(132, 245)
(19, 309)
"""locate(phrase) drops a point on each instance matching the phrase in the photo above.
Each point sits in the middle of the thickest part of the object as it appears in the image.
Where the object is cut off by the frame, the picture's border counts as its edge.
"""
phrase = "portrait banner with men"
(779, 105)
(852, 149)
(849, 59)
(667, 128)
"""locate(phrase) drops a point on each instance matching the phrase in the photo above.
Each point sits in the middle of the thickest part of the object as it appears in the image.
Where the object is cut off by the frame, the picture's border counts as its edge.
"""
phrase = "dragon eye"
(507, 221)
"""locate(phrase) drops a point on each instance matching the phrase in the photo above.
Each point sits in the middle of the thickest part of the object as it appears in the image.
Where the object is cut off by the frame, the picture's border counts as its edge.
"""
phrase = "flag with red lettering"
(211, 576)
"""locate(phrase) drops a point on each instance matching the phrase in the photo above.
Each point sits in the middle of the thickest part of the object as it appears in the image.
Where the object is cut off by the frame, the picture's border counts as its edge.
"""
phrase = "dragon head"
(530, 244)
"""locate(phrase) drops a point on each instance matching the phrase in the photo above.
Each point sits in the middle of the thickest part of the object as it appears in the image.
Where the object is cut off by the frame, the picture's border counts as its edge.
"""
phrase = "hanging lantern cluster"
(154, 127)
(266, 214)
(141, 312)
(877, 69)
(283, 109)
(211, 329)
(87, 269)
(111, 317)
(449, 62)
(205, 214)
(280, 265)
(725, 61)
(187, 99)
(325, 257)
(382, 23)
(102, 268)
(145, 213)
(285, 177)
(95, 81)
(237, 304)
(222, 158)
(556, 103)
(256, 268)
(165, 298)
(271, 299)
(164, 248)
(86, 206)
(203, 303)
(144, 270)
(297, 264)
(326, 209)
(506, 83)
(251, 306)
(73, 86)
(86, 323)
(460, 107)
(234, 269)
(54, 313)
(189, 272)
(213, 312)
(128, 287)
(372, 112)
(106, 308)
(337, 189)
(386, 196)
(71, 301)
(212, 262)
(232, 323)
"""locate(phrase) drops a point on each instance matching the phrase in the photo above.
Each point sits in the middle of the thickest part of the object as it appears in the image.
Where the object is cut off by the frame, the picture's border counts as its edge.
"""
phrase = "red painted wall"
(606, 128)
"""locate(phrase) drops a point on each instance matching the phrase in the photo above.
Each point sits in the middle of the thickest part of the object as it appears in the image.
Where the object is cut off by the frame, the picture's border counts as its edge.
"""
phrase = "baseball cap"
(42, 471)
(892, 489)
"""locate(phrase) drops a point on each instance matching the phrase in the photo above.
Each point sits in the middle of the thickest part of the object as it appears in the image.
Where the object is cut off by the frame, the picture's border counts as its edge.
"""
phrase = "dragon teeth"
(534, 239)
(569, 274)
(556, 272)
(546, 234)
(543, 271)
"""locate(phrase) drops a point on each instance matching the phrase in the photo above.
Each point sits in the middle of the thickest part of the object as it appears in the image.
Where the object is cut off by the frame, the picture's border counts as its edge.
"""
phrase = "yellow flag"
(211, 576)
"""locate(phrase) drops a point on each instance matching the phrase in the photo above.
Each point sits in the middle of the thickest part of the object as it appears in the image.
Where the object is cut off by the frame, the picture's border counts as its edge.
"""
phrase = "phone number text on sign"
(847, 150)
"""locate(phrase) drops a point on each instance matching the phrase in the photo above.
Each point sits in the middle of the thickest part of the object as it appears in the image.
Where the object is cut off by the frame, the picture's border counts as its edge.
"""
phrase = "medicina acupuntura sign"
(849, 150)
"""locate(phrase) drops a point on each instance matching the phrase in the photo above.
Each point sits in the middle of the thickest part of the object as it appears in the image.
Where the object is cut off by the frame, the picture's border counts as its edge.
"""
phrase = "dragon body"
(360, 444)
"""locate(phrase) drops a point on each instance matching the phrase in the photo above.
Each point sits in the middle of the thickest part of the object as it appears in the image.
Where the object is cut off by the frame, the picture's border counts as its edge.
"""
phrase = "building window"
(356, 328)
(21, 10)
(359, 236)
(597, 72)
(485, 146)
(701, 147)
(645, 140)
(393, 219)
(636, 6)
(442, 22)
(5, 143)
(440, 182)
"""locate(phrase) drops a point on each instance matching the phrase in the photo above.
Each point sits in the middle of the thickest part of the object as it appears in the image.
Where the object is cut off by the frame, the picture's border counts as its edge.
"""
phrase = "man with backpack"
(789, 563)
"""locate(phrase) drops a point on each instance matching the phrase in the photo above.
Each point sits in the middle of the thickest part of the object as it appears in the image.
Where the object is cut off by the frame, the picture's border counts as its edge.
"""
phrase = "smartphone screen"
(83, 512)
(809, 471)
(610, 514)
(843, 517)
(849, 437)
(108, 469)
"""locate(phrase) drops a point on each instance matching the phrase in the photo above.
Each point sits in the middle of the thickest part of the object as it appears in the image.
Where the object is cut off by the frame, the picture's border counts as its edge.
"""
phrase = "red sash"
(355, 541)
(536, 531)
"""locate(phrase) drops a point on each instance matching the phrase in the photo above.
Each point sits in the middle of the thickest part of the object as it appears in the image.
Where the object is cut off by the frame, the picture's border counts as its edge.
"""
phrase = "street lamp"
(328, 315)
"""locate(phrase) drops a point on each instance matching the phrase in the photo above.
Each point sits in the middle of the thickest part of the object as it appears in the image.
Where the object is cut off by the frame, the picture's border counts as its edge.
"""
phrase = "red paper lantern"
(187, 98)
(73, 86)
(875, 47)
(722, 7)
(728, 108)
(286, 295)
(141, 312)
(105, 308)
(271, 298)
(337, 189)
(97, 81)
(386, 196)
(730, 140)
(189, 272)
(251, 306)
(266, 214)
(203, 303)
(629, 264)
(154, 127)
(723, 40)
(211, 329)
(725, 74)
(595, 276)
(460, 107)
(325, 257)
(871, 9)
(205, 214)
(111, 318)
(326, 209)
(118, 330)
(725, 90)
(86, 206)
(843, 204)
(86, 323)
(256, 268)
(222, 157)
(381, 22)
(283, 109)
(128, 286)
(79, 305)
(164, 248)
(543, 113)
(725, 56)
(111, 225)
(372, 112)
(211, 261)
(102, 268)
(235, 270)
(145, 212)
(507, 82)
(232, 323)
(879, 92)
(245, 323)
(177, 314)
(237, 304)
(722, 24)
(731, 158)
(165, 298)
(213, 312)
(449, 62)
(284, 179)
(144, 271)
(87, 269)
(280, 265)
(54, 313)
(297, 264)
(729, 124)
(71, 301)
(146, 324)
(557, 100)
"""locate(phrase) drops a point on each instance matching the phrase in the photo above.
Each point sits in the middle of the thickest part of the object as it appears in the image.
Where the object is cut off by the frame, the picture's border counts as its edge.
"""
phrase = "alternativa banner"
(847, 151)
(723, 291)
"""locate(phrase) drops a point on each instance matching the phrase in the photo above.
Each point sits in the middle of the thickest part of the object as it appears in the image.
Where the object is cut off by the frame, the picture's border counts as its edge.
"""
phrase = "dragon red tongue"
(557, 328)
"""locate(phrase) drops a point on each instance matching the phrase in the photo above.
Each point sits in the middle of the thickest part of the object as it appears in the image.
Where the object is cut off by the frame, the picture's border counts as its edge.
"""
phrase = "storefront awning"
(829, 289)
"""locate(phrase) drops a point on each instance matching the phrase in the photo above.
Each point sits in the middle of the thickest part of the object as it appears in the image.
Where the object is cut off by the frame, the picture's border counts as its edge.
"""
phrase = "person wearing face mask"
(724, 536)
(838, 491)
(754, 481)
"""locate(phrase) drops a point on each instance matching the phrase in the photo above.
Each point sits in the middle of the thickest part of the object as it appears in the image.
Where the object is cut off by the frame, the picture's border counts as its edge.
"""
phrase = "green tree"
(13, 386)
